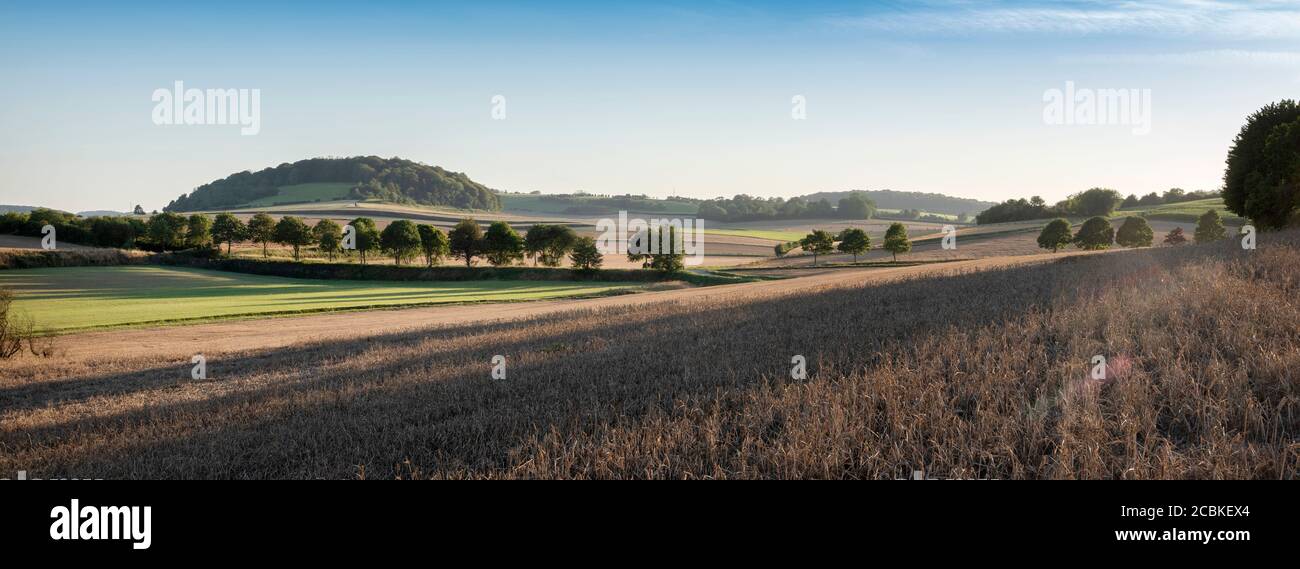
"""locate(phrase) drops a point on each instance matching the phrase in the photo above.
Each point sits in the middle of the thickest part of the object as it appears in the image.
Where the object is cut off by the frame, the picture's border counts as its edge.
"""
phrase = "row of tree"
(1171, 196)
(1093, 202)
(853, 241)
(404, 240)
(1097, 233)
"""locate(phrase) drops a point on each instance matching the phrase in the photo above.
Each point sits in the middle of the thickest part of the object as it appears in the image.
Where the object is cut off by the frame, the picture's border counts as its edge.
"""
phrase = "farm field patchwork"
(65, 299)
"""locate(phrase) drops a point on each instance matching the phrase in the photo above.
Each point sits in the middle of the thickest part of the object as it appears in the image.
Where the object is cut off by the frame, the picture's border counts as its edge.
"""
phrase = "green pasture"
(64, 299)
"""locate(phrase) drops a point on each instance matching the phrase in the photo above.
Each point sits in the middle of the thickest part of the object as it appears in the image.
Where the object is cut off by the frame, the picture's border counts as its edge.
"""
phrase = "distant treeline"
(748, 208)
(392, 179)
(922, 201)
(1094, 202)
(582, 204)
(120, 232)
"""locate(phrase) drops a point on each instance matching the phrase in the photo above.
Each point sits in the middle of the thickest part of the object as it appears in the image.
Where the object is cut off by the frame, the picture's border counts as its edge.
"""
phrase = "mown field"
(64, 299)
(973, 375)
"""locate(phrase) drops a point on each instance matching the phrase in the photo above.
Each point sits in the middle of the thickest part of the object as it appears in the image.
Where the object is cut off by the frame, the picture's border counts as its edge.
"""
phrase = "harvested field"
(985, 374)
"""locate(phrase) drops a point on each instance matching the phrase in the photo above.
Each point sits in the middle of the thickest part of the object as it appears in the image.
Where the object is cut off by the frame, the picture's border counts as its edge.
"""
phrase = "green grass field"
(325, 191)
(775, 235)
(66, 299)
(1184, 211)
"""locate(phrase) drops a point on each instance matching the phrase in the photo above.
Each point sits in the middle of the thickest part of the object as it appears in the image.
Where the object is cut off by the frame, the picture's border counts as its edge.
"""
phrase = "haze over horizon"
(691, 98)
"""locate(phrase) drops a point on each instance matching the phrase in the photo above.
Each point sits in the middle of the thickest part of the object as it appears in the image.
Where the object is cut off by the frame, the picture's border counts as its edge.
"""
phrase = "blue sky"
(692, 98)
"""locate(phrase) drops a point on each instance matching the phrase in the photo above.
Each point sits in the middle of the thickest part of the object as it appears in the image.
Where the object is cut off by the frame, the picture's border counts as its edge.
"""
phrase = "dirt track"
(223, 337)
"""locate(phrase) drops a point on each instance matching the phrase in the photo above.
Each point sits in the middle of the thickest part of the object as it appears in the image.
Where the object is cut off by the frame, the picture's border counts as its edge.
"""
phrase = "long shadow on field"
(424, 400)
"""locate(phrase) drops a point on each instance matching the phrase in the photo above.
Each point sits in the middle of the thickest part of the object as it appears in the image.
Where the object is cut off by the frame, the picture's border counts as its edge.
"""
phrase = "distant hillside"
(16, 208)
(933, 203)
(359, 177)
(100, 213)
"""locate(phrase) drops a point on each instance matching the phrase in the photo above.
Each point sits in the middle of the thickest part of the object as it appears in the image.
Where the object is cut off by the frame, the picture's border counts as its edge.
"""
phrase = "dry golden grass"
(981, 375)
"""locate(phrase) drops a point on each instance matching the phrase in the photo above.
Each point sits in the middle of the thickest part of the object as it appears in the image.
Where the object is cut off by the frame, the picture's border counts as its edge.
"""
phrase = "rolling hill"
(358, 177)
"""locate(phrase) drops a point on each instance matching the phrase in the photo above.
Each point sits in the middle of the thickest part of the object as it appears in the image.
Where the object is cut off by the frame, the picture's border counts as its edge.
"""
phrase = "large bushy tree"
(166, 230)
(466, 241)
(400, 240)
(1094, 202)
(329, 237)
(819, 242)
(585, 256)
(433, 244)
(1262, 181)
(502, 245)
(228, 229)
(367, 237)
(198, 231)
(854, 241)
(661, 250)
(1134, 232)
(896, 240)
(1095, 234)
(548, 244)
(1055, 235)
(292, 231)
(1210, 228)
(261, 229)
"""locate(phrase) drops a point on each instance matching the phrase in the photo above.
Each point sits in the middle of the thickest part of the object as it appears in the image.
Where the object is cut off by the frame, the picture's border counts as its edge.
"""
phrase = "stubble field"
(979, 375)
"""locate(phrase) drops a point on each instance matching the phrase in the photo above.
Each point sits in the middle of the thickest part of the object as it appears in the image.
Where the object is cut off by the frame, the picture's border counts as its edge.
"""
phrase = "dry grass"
(981, 375)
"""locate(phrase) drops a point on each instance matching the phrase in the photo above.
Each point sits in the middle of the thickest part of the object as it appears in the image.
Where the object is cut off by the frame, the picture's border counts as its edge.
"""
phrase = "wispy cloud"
(1212, 57)
(1236, 19)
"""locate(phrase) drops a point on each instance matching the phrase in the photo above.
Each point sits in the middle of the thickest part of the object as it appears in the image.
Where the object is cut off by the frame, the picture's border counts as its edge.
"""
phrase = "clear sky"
(690, 97)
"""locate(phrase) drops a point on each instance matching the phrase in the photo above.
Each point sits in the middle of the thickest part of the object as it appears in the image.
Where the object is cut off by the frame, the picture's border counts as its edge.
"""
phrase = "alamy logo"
(1073, 106)
(48, 240)
(74, 522)
(241, 107)
(949, 241)
(654, 237)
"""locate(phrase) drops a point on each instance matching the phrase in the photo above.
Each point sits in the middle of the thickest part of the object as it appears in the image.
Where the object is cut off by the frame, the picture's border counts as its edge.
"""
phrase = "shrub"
(1055, 235)
(1096, 234)
(1210, 228)
(585, 256)
(1134, 232)
(1175, 237)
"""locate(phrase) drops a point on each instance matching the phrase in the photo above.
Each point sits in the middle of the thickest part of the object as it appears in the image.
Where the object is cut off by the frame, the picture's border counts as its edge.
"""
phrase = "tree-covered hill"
(392, 179)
